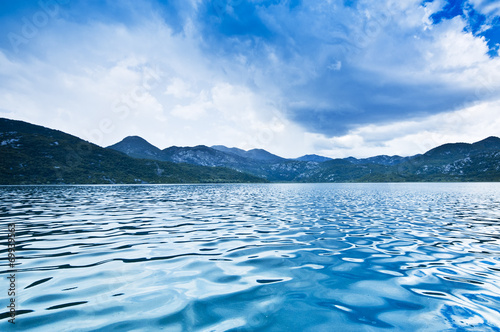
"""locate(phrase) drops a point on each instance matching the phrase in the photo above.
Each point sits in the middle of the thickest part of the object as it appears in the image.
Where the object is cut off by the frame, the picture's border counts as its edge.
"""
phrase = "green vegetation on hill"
(32, 154)
(342, 170)
(455, 162)
(449, 162)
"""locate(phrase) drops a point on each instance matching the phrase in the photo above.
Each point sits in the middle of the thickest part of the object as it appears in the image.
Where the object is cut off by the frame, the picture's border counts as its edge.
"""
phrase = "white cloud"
(175, 89)
(336, 66)
(195, 108)
(179, 89)
(406, 138)
(487, 7)
(454, 49)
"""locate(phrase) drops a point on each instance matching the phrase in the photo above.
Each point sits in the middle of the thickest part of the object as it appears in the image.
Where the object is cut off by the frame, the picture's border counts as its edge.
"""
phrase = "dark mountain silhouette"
(314, 158)
(31, 154)
(449, 162)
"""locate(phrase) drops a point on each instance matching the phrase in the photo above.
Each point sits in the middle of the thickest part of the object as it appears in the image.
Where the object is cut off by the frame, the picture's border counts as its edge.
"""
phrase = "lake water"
(259, 257)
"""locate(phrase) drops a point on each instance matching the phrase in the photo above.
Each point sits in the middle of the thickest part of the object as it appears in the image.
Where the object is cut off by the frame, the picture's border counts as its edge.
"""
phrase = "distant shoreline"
(232, 183)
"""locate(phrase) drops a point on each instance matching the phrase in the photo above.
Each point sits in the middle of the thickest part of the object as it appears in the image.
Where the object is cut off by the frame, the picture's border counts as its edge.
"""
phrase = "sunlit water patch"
(271, 257)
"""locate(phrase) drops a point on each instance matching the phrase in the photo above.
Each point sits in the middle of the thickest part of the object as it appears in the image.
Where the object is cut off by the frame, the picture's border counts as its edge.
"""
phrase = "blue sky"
(336, 78)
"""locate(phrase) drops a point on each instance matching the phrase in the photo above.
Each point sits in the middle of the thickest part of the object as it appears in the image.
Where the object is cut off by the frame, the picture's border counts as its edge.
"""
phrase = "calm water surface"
(271, 257)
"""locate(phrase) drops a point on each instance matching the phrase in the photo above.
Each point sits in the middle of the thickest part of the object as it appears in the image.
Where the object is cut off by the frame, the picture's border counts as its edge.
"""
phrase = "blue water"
(270, 257)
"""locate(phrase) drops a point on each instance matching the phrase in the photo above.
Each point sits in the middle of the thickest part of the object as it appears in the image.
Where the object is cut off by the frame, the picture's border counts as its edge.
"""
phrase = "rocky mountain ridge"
(449, 162)
(31, 154)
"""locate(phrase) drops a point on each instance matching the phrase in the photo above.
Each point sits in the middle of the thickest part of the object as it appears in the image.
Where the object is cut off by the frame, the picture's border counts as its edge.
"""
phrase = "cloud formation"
(330, 77)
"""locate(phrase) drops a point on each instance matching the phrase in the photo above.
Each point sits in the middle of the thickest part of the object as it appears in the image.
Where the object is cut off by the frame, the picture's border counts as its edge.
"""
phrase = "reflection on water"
(270, 257)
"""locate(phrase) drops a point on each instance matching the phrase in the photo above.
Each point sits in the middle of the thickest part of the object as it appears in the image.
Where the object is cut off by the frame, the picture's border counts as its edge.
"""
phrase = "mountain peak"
(491, 138)
(448, 149)
(491, 142)
(137, 147)
(133, 138)
(31, 154)
(314, 158)
(263, 155)
(256, 154)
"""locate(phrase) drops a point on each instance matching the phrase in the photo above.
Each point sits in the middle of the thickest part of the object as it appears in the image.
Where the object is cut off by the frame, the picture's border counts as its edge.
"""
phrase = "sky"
(336, 78)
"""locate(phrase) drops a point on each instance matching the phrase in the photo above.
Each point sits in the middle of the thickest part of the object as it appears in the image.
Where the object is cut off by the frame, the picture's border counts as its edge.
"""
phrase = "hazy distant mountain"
(449, 162)
(343, 170)
(236, 151)
(314, 158)
(380, 160)
(138, 147)
(257, 161)
(260, 154)
(31, 154)
(256, 154)
(202, 155)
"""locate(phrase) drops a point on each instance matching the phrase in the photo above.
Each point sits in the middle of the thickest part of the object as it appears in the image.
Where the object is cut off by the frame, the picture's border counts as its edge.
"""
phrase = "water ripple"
(359, 257)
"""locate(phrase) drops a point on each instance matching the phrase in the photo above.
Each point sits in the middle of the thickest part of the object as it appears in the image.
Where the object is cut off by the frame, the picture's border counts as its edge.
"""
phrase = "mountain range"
(33, 154)
(450, 162)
